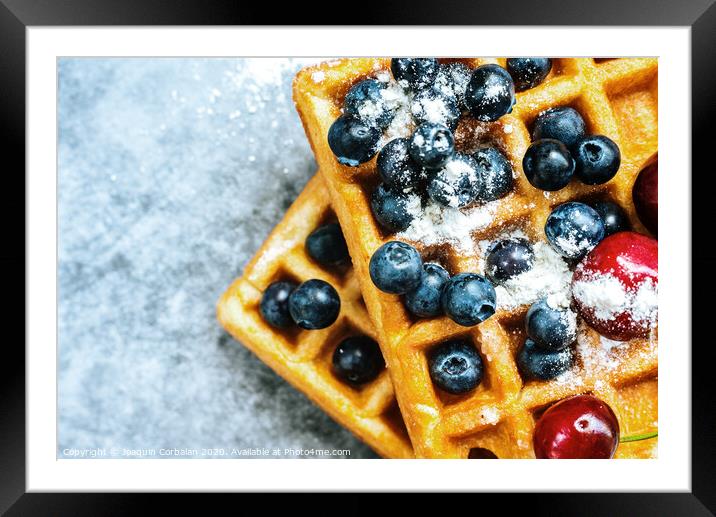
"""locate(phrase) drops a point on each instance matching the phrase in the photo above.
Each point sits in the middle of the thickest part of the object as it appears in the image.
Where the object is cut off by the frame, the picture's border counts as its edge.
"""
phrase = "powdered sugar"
(427, 106)
(452, 79)
(549, 277)
(394, 97)
(490, 415)
(494, 91)
(609, 344)
(603, 293)
(437, 224)
(398, 100)
(596, 355)
(455, 169)
(383, 76)
(567, 316)
(390, 99)
(572, 245)
(452, 184)
(600, 354)
(572, 378)
(644, 305)
(607, 297)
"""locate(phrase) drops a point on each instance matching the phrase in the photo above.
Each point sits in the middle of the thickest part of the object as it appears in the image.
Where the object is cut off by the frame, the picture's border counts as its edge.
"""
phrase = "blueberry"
(573, 229)
(537, 363)
(431, 145)
(365, 101)
(391, 208)
(528, 72)
(614, 218)
(414, 73)
(564, 124)
(495, 172)
(395, 165)
(327, 246)
(396, 267)
(424, 300)
(508, 258)
(596, 159)
(468, 299)
(550, 328)
(457, 183)
(430, 105)
(274, 304)
(352, 140)
(357, 360)
(314, 304)
(455, 366)
(490, 93)
(548, 165)
(452, 80)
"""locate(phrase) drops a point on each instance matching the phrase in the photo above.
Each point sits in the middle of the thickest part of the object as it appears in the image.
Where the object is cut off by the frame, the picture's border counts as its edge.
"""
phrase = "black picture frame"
(17, 15)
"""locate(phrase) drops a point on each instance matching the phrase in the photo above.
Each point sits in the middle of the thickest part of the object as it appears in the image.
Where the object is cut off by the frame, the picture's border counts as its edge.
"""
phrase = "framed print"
(249, 252)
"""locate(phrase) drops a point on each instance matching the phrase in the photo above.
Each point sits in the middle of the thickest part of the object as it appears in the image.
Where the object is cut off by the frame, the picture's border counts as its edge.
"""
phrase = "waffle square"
(617, 98)
(303, 357)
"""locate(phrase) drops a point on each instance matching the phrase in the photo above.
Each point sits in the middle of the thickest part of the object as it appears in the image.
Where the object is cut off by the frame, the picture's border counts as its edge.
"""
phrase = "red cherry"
(645, 195)
(615, 286)
(578, 427)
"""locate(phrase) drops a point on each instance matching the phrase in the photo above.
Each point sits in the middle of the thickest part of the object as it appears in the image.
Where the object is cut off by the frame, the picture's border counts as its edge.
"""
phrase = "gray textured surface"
(171, 174)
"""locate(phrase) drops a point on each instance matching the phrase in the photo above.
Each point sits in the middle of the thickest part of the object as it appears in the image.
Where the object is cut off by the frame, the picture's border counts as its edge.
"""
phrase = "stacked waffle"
(616, 98)
(303, 357)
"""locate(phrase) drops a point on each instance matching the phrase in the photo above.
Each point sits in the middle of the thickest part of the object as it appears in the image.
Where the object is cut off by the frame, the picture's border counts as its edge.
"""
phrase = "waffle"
(303, 357)
(617, 98)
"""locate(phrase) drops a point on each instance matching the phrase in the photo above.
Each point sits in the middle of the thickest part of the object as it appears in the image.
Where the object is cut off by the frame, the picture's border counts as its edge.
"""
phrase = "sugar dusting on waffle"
(605, 352)
(437, 224)
(597, 353)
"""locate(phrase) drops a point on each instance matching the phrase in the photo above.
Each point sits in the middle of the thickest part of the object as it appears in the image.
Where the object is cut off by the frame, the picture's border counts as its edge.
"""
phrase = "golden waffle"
(303, 357)
(617, 98)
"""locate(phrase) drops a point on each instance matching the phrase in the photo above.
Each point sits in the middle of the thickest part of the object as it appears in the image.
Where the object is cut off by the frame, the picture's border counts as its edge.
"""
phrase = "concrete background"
(171, 174)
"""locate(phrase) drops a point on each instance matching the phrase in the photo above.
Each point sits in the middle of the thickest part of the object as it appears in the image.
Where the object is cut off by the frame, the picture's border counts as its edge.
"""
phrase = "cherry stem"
(639, 437)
